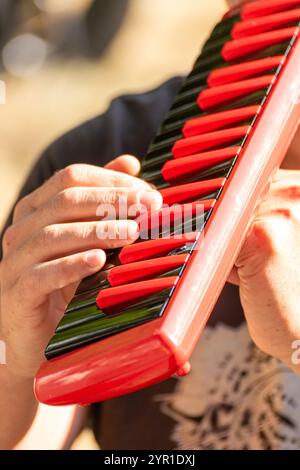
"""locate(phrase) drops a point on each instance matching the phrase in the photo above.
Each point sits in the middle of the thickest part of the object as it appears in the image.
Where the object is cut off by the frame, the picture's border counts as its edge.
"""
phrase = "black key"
(214, 45)
(254, 98)
(194, 80)
(167, 132)
(184, 112)
(96, 281)
(153, 162)
(206, 64)
(225, 26)
(217, 171)
(277, 49)
(80, 317)
(95, 330)
(192, 225)
(84, 300)
(187, 96)
(165, 146)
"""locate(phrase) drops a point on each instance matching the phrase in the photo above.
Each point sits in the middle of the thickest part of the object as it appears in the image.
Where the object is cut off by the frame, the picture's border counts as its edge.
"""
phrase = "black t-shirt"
(235, 396)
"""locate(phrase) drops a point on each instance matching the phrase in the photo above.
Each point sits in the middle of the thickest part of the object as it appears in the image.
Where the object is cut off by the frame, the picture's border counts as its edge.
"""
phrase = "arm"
(17, 414)
(47, 251)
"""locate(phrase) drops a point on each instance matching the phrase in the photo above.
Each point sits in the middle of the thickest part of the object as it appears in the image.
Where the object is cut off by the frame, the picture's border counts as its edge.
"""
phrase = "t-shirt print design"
(235, 397)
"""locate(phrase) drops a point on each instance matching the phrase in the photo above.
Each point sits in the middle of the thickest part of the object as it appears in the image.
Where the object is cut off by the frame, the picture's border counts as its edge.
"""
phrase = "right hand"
(235, 3)
(53, 244)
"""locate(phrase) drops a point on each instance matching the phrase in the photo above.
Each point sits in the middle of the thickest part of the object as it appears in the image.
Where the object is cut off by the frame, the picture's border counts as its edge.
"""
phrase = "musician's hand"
(268, 269)
(235, 3)
(53, 243)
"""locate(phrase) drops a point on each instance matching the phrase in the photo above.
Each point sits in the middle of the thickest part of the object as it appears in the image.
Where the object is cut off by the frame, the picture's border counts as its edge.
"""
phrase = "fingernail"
(95, 259)
(151, 199)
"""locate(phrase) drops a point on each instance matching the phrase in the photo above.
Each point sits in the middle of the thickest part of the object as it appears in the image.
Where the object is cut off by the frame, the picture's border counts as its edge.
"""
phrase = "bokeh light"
(24, 55)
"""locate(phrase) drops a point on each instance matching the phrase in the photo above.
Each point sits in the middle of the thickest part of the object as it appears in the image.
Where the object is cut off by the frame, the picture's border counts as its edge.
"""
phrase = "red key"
(216, 121)
(173, 215)
(120, 295)
(181, 167)
(217, 96)
(238, 72)
(187, 147)
(127, 273)
(239, 48)
(259, 8)
(266, 23)
(187, 192)
(154, 248)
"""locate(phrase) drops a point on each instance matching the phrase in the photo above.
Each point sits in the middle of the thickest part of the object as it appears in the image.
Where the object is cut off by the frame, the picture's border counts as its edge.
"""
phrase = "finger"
(75, 175)
(46, 278)
(84, 204)
(125, 164)
(56, 241)
(233, 277)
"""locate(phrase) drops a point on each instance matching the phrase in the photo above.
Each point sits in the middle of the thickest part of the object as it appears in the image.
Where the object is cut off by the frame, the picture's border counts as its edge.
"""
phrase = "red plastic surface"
(126, 273)
(239, 48)
(191, 145)
(214, 122)
(122, 364)
(113, 366)
(212, 97)
(154, 248)
(114, 296)
(177, 213)
(173, 170)
(264, 8)
(233, 73)
(186, 192)
(263, 24)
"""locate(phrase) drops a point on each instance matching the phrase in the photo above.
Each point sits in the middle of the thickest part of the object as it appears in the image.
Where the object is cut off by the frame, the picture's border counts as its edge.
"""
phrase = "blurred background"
(63, 61)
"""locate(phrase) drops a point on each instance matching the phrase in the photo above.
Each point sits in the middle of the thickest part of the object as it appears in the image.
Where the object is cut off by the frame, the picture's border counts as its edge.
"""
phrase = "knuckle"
(9, 236)
(117, 179)
(88, 231)
(113, 197)
(268, 236)
(102, 231)
(68, 176)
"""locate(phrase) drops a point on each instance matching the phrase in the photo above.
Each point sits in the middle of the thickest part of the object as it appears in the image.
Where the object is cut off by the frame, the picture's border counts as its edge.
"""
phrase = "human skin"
(45, 257)
(51, 245)
(267, 268)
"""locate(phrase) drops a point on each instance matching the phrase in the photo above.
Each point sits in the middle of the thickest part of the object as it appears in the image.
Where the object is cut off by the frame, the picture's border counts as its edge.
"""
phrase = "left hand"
(267, 269)
(235, 3)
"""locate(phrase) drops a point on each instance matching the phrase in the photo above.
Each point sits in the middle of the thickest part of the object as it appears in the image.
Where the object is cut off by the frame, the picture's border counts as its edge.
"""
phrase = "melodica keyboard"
(137, 321)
